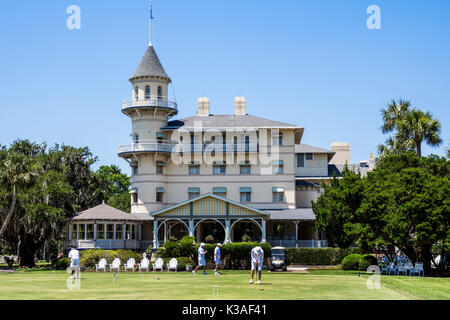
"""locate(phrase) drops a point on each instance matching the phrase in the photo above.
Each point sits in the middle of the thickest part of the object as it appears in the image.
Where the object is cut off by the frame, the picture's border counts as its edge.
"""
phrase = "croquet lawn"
(316, 285)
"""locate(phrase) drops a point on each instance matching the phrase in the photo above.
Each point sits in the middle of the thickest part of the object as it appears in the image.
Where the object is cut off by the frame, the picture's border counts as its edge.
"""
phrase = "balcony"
(150, 102)
(147, 146)
(170, 146)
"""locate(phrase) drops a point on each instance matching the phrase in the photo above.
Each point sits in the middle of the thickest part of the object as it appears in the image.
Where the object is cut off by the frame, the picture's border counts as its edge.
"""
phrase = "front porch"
(225, 220)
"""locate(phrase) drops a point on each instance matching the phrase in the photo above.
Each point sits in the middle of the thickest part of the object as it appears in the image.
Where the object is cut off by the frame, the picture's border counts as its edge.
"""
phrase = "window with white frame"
(220, 192)
(219, 169)
(159, 194)
(300, 160)
(100, 231)
(278, 194)
(278, 139)
(194, 169)
(136, 93)
(246, 194)
(278, 167)
(119, 231)
(147, 92)
(245, 169)
(193, 193)
(309, 156)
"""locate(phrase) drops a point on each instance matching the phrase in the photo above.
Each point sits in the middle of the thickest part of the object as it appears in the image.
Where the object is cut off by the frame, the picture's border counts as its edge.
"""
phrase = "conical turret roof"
(150, 66)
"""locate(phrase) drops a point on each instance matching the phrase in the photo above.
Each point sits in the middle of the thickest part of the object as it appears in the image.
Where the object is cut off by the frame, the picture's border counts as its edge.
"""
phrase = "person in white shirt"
(257, 255)
(74, 256)
(217, 259)
(201, 259)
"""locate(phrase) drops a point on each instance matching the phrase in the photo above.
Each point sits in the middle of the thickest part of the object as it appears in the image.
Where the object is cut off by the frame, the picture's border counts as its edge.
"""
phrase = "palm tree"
(393, 114)
(16, 171)
(391, 146)
(417, 127)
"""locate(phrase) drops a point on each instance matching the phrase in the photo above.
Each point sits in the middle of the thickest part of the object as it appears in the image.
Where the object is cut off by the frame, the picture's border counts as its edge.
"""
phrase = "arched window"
(159, 93)
(136, 93)
(147, 92)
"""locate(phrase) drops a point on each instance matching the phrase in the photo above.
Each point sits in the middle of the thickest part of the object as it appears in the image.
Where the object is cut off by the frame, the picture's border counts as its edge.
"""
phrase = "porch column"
(78, 231)
(227, 231)
(191, 227)
(104, 233)
(114, 237)
(296, 233)
(70, 231)
(124, 228)
(165, 231)
(263, 227)
(155, 234)
(85, 231)
(95, 230)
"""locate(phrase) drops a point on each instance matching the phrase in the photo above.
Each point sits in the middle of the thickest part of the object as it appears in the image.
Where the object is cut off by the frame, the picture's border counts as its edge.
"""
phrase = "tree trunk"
(419, 148)
(27, 250)
(10, 212)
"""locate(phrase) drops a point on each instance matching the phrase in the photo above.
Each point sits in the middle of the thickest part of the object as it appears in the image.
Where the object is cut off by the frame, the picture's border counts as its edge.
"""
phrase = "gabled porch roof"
(210, 205)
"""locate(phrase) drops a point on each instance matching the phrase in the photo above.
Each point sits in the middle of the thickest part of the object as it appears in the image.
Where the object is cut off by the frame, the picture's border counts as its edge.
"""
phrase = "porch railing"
(299, 243)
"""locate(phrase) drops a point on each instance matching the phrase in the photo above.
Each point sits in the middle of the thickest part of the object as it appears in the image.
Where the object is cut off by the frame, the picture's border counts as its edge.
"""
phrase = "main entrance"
(210, 215)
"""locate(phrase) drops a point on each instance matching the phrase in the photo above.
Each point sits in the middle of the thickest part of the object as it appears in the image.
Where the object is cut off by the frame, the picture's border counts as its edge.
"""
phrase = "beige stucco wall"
(318, 167)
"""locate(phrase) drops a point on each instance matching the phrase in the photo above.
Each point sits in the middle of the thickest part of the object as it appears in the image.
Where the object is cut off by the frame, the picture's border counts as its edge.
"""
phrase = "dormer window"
(147, 92)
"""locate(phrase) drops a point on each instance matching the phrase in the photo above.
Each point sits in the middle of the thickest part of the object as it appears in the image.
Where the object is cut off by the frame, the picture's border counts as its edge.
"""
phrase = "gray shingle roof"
(227, 121)
(295, 214)
(150, 66)
(305, 148)
(104, 212)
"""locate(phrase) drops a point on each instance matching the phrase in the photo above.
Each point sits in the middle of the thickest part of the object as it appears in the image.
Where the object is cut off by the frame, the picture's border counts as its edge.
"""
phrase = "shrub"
(62, 264)
(186, 247)
(246, 238)
(209, 239)
(182, 262)
(237, 255)
(318, 256)
(351, 262)
(366, 261)
(89, 258)
(170, 251)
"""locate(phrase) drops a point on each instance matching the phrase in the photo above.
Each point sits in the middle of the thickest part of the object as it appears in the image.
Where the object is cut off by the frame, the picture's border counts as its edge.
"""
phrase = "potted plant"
(189, 267)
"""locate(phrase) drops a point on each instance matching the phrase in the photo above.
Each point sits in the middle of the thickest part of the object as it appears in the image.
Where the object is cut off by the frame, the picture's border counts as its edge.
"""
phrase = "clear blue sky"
(311, 63)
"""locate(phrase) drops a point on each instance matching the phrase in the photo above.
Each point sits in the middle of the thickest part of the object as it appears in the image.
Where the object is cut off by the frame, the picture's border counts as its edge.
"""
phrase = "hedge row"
(318, 256)
(358, 262)
(234, 255)
(89, 258)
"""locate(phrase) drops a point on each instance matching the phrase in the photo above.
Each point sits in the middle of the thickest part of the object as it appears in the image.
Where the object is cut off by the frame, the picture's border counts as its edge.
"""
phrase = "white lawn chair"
(129, 265)
(144, 264)
(158, 265)
(101, 265)
(115, 265)
(172, 265)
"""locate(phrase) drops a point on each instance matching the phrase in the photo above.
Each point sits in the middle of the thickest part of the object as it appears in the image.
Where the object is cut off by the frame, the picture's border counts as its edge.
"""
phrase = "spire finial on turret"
(151, 22)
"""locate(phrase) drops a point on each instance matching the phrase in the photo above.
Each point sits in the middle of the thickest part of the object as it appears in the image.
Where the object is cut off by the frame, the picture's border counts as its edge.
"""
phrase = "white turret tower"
(149, 149)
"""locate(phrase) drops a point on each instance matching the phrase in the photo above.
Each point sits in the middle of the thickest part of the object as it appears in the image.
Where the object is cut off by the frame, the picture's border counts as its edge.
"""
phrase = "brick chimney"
(203, 107)
(240, 106)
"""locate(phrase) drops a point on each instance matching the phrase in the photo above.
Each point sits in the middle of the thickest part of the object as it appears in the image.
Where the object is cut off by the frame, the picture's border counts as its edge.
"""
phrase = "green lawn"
(317, 285)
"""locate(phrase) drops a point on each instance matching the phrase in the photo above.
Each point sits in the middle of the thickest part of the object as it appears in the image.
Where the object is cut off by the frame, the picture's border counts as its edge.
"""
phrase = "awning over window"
(278, 163)
(133, 190)
(160, 135)
(246, 189)
(160, 190)
(219, 190)
(276, 189)
(194, 190)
